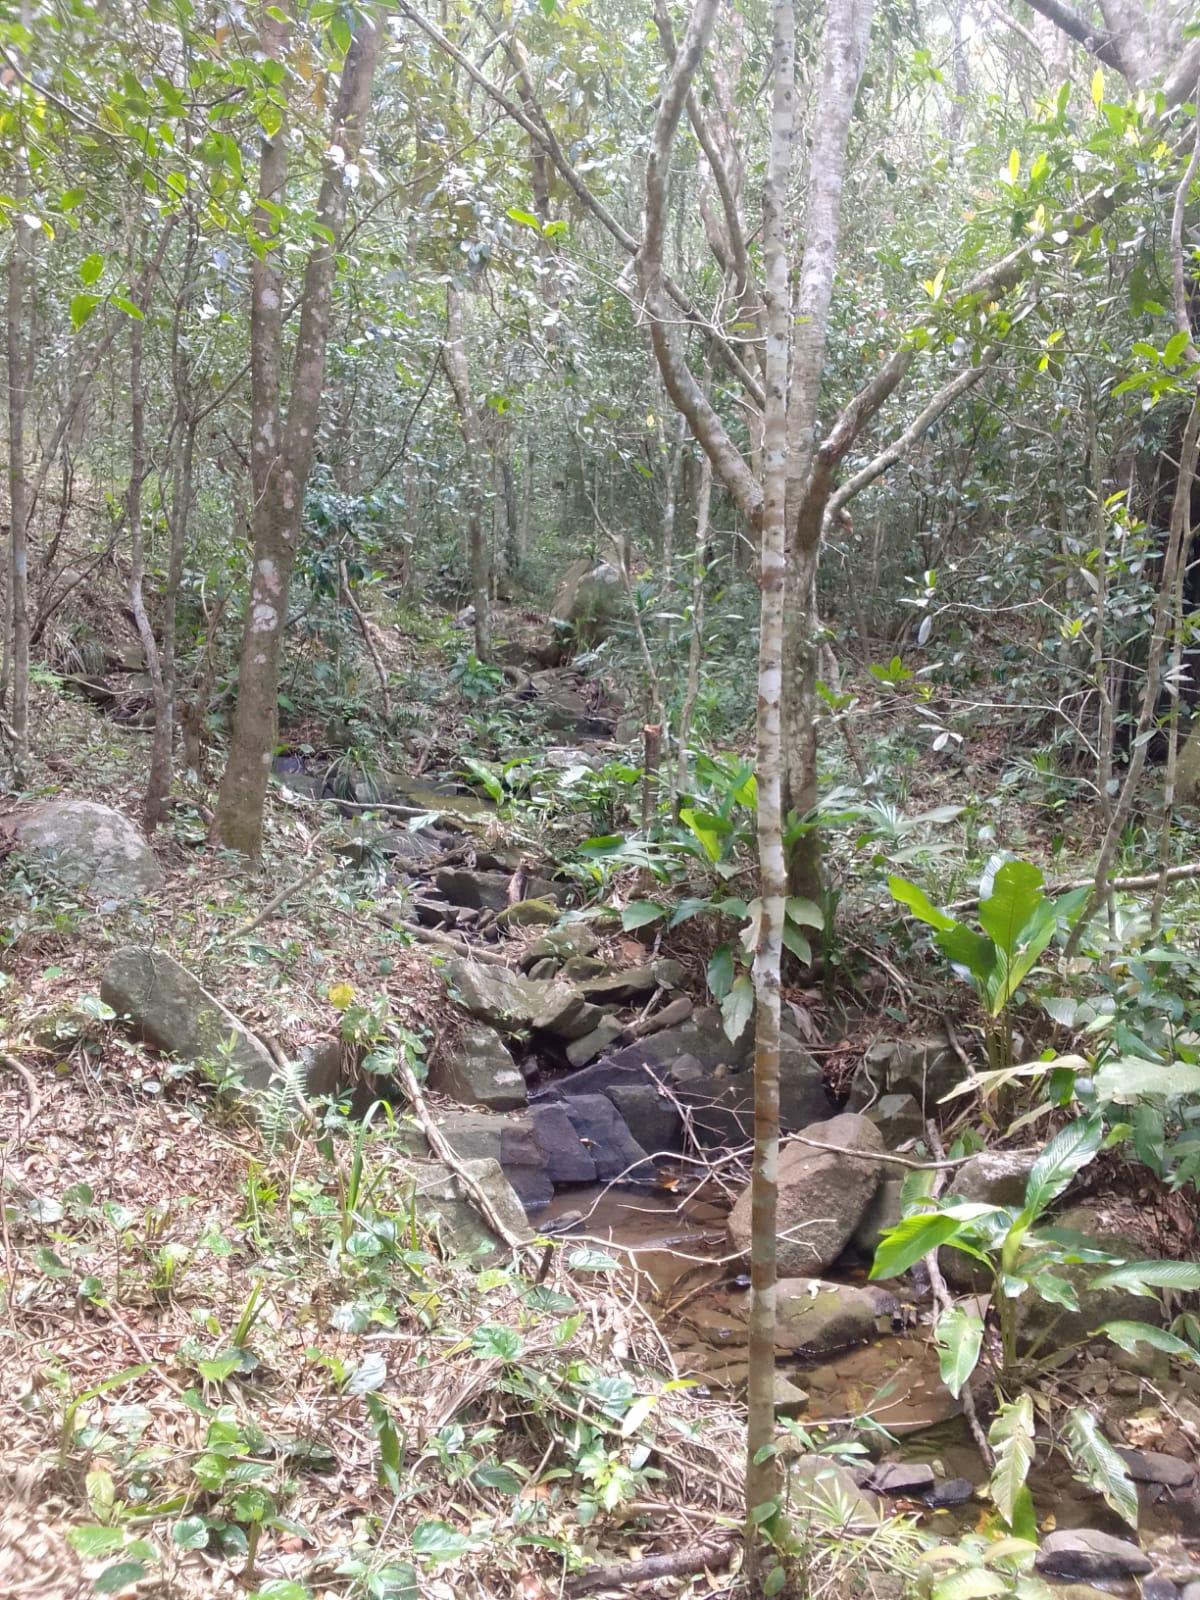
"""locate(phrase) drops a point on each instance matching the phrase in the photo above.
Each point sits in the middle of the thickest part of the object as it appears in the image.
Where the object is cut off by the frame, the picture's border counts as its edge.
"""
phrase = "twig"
(273, 905)
(886, 1155)
(438, 1144)
(31, 1088)
(675, 1564)
(1144, 880)
(364, 627)
(445, 941)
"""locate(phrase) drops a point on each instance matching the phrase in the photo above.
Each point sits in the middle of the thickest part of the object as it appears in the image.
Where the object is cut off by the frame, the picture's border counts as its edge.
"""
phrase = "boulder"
(494, 994)
(824, 1495)
(1086, 1225)
(925, 1068)
(993, 1178)
(1155, 1466)
(822, 1195)
(898, 1118)
(89, 846)
(635, 983)
(439, 1200)
(529, 914)
(606, 1032)
(589, 598)
(1089, 1555)
(488, 891)
(173, 1011)
(902, 1478)
(564, 941)
(790, 1399)
(815, 1318)
(649, 1114)
(478, 1071)
(564, 1013)
(883, 1213)
(509, 1140)
(608, 1141)
(567, 1160)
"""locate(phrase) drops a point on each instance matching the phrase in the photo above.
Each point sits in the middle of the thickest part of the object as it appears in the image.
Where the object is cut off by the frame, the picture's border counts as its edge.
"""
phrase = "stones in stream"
(822, 1195)
(479, 1071)
(1090, 1556)
(816, 1318)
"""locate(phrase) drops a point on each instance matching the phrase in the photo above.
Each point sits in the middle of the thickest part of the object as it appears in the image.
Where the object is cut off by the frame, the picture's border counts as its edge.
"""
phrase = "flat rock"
(1155, 1466)
(649, 1114)
(606, 1033)
(822, 1195)
(564, 1013)
(169, 1008)
(814, 1317)
(790, 1399)
(478, 1071)
(635, 983)
(1089, 1555)
(898, 1118)
(566, 1158)
(824, 1495)
(488, 891)
(507, 1139)
(953, 1492)
(439, 1198)
(90, 846)
(566, 940)
(494, 994)
(902, 1478)
(607, 1139)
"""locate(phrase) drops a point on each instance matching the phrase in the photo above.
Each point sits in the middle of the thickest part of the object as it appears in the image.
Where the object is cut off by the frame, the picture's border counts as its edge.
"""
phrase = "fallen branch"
(31, 1089)
(273, 905)
(437, 1143)
(675, 1564)
(886, 1155)
(1143, 880)
(445, 941)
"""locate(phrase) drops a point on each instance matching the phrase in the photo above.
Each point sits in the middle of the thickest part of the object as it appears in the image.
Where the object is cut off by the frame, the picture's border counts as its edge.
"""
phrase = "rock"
(649, 1115)
(1158, 1588)
(1088, 1554)
(488, 891)
(507, 1139)
(993, 1178)
(438, 1198)
(789, 1398)
(528, 914)
(494, 994)
(564, 1012)
(577, 967)
(898, 1118)
(1155, 1466)
(822, 1195)
(478, 1071)
(1089, 1226)
(89, 846)
(324, 1066)
(925, 1068)
(567, 1161)
(902, 1478)
(633, 984)
(172, 1011)
(954, 1492)
(608, 1141)
(817, 1318)
(722, 1105)
(882, 1214)
(606, 1032)
(825, 1495)
(545, 969)
(589, 598)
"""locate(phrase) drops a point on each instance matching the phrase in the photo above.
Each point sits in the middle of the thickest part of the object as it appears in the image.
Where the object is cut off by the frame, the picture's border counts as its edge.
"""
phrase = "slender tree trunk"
(459, 373)
(847, 31)
(282, 453)
(137, 547)
(696, 638)
(18, 489)
(179, 516)
(761, 1471)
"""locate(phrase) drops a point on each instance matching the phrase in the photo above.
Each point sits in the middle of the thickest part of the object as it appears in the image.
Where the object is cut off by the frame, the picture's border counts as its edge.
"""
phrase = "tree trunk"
(137, 549)
(17, 636)
(459, 374)
(761, 1471)
(281, 454)
(847, 31)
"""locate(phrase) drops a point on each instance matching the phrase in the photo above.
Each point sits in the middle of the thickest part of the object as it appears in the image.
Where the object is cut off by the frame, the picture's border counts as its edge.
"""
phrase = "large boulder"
(494, 994)
(588, 599)
(478, 1071)
(1045, 1324)
(508, 1139)
(822, 1195)
(89, 846)
(173, 1011)
(1090, 1555)
(441, 1200)
(926, 1068)
(606, 1136)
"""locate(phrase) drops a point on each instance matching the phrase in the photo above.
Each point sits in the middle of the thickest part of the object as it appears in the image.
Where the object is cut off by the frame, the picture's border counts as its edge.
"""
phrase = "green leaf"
(525, 218)
(1098, 1465)
(972, 1583)
(1128, 1079)
(919, 903)
(119, 1576)
(495, 1340)
(90, 269)
(1128, 1335)
(1143, 1277)
(1011, 1439)
(706, 829)
(737, 1007)
(640, 914)
(128, 307)
(720, 972)
(915, 1236)
(959, 1335)
(82, 306)
(805, 912)
(190, 1533)
(1070, 1150)
(437, 1542)
(1175, 348)
(95, 1542)
(485, 777)
(494, 1475)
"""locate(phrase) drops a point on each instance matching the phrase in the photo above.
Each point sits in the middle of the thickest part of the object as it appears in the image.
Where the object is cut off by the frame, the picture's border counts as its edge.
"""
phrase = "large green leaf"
(1070, 1150)
(1098, 1465)
(1143, 1277)
(1129, 1079)
(1011, 1439)
(919, 903)
(1130, 1334)
(959, 1335)
(966, 948)
(1016, 898)
(915, 1236)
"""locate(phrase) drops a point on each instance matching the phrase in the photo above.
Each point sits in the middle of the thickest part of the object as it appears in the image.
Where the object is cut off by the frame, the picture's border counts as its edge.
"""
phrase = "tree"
(281, 448)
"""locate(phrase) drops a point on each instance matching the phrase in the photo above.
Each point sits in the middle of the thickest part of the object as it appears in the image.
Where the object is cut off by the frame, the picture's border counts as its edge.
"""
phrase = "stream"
(887, 1393)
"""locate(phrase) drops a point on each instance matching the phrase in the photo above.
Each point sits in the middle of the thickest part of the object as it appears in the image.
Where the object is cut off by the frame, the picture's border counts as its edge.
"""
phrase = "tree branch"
(1098, 41)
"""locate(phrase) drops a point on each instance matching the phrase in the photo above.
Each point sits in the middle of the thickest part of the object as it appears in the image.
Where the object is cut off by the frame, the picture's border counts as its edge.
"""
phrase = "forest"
(600, 799)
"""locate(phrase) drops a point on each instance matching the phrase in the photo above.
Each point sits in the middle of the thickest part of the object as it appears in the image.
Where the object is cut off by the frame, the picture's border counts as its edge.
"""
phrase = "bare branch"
(1097, 41)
